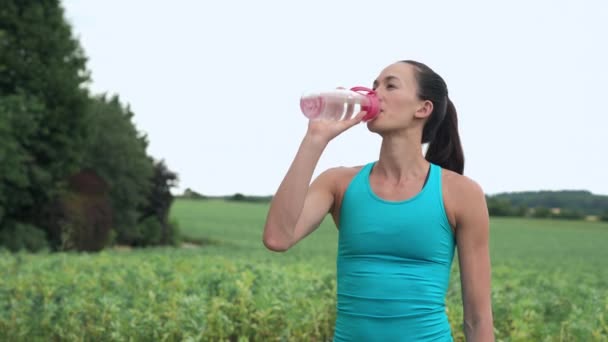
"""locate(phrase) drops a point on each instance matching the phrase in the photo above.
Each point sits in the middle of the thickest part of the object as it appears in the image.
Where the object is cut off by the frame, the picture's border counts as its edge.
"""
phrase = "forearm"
(480, 330)
(288, 201)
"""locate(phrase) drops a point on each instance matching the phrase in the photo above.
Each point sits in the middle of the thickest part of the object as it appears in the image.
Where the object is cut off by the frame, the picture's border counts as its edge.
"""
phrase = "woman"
(399, 218)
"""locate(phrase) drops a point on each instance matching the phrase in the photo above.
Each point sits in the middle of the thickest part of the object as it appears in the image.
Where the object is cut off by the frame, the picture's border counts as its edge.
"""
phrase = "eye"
(390, 86)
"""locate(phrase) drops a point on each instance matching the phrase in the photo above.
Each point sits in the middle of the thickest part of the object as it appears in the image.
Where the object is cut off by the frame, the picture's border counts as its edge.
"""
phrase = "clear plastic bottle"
(340, 104)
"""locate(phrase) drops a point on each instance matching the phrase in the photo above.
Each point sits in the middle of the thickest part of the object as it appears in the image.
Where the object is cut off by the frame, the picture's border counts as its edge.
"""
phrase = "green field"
(550, 283)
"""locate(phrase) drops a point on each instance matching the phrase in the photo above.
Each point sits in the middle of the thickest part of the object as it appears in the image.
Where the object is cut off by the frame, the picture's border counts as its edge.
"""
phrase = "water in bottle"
(340, 104)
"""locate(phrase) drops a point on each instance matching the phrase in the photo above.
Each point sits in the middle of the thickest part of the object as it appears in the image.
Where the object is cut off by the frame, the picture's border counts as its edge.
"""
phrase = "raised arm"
(472, 235)
(298, 207)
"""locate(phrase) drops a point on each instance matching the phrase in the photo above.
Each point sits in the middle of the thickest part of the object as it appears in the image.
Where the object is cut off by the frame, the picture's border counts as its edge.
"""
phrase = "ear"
(425, 109)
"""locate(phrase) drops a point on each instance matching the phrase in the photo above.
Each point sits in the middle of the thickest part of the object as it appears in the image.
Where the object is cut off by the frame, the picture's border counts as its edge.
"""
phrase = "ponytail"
(441, 128)
(444, 148)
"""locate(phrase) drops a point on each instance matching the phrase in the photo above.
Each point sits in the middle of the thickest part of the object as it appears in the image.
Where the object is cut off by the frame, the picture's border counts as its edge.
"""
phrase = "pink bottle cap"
(373, 108)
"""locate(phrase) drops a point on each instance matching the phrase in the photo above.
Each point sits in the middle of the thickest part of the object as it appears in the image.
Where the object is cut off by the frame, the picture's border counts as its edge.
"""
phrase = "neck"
(401, 158)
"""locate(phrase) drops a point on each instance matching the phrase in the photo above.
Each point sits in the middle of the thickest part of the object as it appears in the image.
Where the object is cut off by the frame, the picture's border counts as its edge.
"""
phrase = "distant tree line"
(565, 204)
(74, 171)
(237, 197)
(568, 205)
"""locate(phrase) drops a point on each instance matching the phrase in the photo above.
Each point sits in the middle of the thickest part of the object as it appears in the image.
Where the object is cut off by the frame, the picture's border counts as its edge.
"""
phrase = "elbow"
(275, 244)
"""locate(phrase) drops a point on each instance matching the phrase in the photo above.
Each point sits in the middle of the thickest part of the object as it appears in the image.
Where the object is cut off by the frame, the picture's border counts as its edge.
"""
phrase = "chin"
(375, 124)
(371, 124)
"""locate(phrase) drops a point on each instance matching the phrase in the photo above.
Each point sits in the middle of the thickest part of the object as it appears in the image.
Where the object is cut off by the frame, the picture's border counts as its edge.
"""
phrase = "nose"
(380, 94)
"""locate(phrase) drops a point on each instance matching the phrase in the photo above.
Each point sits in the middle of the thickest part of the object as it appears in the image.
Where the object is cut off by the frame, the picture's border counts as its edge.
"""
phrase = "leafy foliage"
(20, 117)
(42, 78)
(52, 130)
(23, 237)
(117, 152)
(155, 214)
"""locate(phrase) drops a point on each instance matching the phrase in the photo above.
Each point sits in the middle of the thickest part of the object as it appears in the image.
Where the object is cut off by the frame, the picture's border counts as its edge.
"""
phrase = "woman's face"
(400, 107)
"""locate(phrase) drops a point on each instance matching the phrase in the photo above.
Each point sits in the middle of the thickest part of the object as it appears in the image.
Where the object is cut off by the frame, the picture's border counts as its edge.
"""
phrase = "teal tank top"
(393, 264)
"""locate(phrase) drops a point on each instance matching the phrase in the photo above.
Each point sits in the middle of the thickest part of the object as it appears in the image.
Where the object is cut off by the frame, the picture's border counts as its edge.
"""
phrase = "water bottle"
(340, 104)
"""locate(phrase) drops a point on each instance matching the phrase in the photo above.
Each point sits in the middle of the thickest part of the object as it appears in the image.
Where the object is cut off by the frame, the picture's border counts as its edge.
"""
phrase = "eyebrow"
(386, 79)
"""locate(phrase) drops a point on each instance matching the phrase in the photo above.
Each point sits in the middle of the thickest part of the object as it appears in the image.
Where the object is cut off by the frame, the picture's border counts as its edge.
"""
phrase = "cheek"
(401, 104)
(407, 99)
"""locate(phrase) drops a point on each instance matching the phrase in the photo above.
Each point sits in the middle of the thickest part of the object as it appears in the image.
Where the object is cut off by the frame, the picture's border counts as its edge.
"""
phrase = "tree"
(57, 141)
(500, 207)
(542, 212)
(42, 104)
(604, 216)
(117, 152)
(578, 200)
(19, 121)
(155, 215)
(84, 213)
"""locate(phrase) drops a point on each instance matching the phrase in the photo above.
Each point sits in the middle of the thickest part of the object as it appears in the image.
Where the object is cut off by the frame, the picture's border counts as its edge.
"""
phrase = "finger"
(360, 115)
(357, 119)
(336, 109)
(350, 109)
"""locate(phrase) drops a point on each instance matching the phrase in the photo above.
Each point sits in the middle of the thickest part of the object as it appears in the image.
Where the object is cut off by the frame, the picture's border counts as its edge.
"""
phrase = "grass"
(237, 227)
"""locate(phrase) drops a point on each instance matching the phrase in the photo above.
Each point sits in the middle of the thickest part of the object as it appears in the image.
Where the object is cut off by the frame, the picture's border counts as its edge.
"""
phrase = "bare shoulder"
(339, 173)
(460, 184)
(461, 194)
(338, 179)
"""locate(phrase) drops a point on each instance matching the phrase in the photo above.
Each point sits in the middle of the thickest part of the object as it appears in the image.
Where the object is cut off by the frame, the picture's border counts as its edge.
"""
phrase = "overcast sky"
(216, 84)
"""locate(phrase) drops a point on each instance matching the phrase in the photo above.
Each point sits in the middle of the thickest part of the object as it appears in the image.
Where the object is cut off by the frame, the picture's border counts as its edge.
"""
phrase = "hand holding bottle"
(323, 130)
(331, 112)
(340, 104)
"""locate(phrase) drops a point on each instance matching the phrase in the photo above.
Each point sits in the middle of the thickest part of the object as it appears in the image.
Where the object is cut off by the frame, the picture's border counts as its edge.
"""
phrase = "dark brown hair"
(441, 128)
